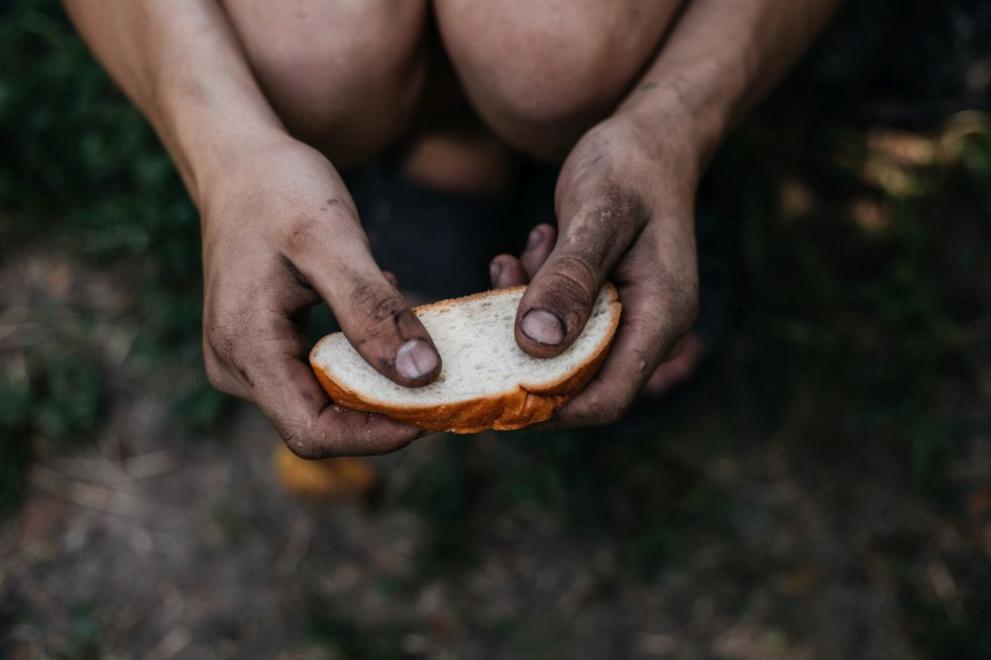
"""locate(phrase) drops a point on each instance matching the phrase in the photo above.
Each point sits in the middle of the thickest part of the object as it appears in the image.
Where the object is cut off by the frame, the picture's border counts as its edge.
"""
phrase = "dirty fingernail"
(535, 239)
(543, 327)
(415, 359)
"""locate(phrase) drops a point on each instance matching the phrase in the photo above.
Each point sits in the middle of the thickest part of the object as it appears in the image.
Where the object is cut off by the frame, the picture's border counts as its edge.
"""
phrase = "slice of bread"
(486, 380)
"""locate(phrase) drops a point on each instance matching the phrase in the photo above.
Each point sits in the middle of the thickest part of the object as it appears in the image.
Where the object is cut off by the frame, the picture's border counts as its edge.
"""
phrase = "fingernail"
(495, 269)
(535, 239)
(415, 359)
(543, 327)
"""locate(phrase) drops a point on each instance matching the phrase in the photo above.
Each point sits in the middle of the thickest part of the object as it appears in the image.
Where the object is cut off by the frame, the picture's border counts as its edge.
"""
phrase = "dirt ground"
(149, 544)
(196, 552)
(826, 494)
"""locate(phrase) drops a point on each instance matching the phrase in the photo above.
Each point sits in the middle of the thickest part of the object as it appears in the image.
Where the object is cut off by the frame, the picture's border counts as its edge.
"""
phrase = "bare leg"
(343, 76)
(540, 74)
(352, 77)
(467, 160)
(448, 148)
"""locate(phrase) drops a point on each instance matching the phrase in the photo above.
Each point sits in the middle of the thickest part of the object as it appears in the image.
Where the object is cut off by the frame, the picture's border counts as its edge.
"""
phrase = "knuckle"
(657, 286)
(310, 231)
(227, 334)
(301, 444)
(578, 269)
(621, 210)
(687, 312)
(219, 332)
(684, 314)
(220, 379)
(616, 409)
(379, 312)
(600, 410)
(572, 282)
(387, 446)
(678, 298)
(369, 437)
(215, 374)
(232, 317)
(301, 235)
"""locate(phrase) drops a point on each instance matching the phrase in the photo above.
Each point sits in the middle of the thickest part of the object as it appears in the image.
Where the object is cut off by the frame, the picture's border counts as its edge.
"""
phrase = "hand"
(281, 233)
(624, 204)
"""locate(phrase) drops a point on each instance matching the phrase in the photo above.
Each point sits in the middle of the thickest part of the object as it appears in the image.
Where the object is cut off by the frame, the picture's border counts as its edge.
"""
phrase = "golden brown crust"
(514, 409)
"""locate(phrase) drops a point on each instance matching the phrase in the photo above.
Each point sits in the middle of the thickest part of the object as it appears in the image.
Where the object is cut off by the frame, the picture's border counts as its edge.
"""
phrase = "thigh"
(344, 75)
(541, 73)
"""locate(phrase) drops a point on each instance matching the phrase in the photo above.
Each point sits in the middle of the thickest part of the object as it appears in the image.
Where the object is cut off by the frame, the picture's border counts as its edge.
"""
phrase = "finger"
(560, 297)
(678, 369)
(374, 316)
(538, 248)
(623, 375)
(657, 312)
(286, 390)
(313, 427)
(262, 359)
(506, 271)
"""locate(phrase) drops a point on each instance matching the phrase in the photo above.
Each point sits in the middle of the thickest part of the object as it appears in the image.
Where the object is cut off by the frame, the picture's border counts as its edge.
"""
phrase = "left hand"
(625, 209)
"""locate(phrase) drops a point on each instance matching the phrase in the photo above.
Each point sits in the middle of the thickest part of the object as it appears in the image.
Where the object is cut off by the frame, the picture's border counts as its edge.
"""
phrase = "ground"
(825, 494)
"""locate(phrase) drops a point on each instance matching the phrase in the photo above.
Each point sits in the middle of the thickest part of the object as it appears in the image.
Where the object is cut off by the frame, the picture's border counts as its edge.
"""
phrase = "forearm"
(721, 57)
(179, 62)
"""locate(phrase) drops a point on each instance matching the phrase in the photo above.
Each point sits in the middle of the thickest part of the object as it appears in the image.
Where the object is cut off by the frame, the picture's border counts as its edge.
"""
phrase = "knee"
(540, 80)
(540, 101)
(345, 84)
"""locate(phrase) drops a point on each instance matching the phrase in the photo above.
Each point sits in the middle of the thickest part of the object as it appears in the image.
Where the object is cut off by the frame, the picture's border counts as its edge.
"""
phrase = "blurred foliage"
(82, 170)
(81, 166)
(68, 134)
(341, 638)
(901, 61)
(83, 640)
(54, 398)
(943, 634)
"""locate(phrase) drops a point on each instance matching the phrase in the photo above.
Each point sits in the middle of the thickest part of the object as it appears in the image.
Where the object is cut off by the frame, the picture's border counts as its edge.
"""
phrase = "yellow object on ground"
(324, 480)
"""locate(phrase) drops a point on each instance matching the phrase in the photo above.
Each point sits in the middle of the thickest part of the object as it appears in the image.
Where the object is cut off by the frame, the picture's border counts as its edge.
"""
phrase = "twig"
(298, 544)
(171, 645)
(152, 464)
(88, 495)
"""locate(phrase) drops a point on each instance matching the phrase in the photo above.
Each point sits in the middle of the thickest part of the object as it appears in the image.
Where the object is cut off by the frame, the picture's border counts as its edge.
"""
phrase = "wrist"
(687, 123)
(209, 133)
(668, 148)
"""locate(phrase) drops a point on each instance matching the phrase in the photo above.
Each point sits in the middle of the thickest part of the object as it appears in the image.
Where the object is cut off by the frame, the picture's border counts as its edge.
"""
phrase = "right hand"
(280, 234)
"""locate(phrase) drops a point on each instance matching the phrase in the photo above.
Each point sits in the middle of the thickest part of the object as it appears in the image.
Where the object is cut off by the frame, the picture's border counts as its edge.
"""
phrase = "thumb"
(562, 293)
(372, 313)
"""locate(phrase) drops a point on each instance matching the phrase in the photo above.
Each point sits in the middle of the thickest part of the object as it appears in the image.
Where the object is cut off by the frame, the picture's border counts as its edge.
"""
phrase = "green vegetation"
(82, 172)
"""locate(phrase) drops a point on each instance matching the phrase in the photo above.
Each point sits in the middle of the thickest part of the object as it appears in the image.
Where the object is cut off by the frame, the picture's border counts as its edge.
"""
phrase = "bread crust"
(513, 409)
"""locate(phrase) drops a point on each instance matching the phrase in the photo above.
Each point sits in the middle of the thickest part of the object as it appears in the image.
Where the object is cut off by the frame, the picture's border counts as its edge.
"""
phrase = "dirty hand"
(280, 234)
(624, 204)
